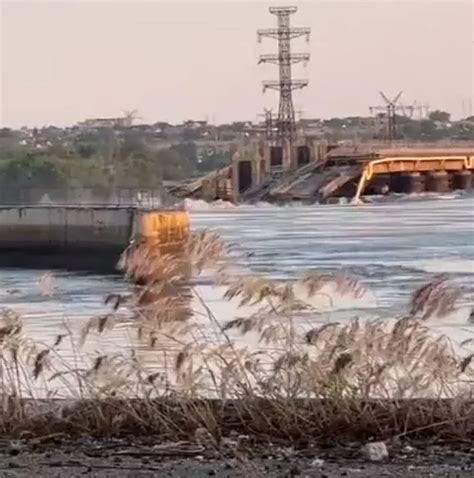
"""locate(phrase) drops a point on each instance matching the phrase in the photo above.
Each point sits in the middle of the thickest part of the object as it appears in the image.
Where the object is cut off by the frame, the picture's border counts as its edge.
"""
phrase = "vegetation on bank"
(437, 126)
(101, 161)
(144, 156)
(283, 371)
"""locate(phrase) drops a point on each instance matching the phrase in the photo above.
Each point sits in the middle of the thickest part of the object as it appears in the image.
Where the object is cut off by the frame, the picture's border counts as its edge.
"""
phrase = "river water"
(392, 247)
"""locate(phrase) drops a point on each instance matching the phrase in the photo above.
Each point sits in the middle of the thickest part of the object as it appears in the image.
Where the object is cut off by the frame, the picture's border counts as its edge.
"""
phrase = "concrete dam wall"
(65, 227)
(89, 238)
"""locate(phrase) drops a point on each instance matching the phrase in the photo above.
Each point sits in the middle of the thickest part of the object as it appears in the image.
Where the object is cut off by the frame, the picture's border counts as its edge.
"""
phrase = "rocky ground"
(50, 457)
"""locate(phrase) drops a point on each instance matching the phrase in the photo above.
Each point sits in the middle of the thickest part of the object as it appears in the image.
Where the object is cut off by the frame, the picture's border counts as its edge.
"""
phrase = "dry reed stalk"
(99, 324)
(346, 373)
(10, 323)
(145, 262)
(274, 296)
(40, 362)
(162, 304)
(116, 301)
(378, 355)
(434, 299)
(342, 283)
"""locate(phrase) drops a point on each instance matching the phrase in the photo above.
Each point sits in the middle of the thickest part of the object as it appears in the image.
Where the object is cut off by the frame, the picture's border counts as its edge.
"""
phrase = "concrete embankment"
(86, 238)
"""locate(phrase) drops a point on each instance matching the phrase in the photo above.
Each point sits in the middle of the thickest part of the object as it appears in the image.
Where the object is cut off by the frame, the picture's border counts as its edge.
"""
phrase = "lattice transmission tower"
(284, 33)
(390, 109)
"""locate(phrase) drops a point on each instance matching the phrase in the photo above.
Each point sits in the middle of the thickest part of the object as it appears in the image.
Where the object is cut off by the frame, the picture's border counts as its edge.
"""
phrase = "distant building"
(105, 123)
(125, 121)
(194, 124)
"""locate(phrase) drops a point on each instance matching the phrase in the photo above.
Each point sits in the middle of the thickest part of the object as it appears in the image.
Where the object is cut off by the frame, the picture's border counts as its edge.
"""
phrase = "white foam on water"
(200, 205)
(425, 196)
(458, 317)
(448, 265)
(329, 298)
(263, 204)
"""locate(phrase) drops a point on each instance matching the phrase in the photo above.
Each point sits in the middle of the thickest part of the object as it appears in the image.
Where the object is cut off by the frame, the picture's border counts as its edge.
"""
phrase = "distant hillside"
(143, 156)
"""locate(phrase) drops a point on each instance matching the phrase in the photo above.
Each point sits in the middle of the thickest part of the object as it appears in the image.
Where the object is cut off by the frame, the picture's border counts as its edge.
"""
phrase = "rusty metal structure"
(436, 167)
(268, 119)
(284, 59)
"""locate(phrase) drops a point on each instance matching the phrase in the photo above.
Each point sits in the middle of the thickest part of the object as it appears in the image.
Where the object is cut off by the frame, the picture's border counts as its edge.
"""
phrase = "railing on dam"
(132, 197)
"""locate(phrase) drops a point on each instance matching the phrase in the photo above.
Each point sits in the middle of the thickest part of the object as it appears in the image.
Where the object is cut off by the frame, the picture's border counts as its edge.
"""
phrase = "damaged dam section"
(315, 172)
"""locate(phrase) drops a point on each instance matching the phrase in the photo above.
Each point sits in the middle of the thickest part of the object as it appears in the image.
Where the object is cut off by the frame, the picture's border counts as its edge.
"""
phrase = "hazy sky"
(69, 60)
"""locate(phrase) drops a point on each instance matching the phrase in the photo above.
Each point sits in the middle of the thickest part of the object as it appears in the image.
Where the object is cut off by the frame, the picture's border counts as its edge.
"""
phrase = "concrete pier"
(462, 180)
(82, 237)
(408, 183)
(437, 182)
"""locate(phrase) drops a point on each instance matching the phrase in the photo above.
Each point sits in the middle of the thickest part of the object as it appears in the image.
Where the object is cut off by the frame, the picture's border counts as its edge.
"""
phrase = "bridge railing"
(418, 164)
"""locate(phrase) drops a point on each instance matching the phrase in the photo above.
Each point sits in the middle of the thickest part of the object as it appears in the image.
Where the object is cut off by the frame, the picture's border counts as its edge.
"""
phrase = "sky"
(64, 61)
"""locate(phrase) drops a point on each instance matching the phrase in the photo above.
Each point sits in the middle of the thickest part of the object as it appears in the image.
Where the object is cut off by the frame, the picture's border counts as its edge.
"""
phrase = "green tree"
(86, 150)
(32, 171)
(439, 115)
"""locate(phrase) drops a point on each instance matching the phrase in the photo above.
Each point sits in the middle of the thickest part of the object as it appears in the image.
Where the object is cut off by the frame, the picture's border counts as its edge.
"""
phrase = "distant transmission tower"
(284, 33)
(390, 108)
(409, 111)
(268, 121)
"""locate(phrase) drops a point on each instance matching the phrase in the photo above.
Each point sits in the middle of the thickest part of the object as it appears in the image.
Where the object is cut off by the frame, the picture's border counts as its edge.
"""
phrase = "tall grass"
(277, 372)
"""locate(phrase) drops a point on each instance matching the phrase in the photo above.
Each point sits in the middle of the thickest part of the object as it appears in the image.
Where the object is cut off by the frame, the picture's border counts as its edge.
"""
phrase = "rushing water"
(391, 247)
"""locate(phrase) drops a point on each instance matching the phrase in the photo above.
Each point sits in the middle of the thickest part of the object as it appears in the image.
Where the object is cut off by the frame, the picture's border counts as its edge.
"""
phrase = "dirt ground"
(144, 458)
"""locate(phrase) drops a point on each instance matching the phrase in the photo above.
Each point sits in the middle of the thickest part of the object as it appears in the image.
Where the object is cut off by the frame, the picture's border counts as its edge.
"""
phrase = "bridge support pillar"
(437, 182)
(407, 183)
(462, 180)
(414, 183)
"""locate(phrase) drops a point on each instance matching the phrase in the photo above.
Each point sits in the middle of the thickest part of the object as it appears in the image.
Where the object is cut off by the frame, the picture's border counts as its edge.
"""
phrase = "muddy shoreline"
(147, 457)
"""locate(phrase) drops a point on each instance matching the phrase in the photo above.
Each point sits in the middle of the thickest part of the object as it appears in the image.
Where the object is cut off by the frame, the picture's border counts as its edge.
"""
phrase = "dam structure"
(320, 172)
(291, 165)
(286, 163)
(86, 238)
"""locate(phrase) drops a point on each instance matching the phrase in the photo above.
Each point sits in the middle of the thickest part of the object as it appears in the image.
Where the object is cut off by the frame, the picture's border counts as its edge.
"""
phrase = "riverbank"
(255, 420)
(148, 457)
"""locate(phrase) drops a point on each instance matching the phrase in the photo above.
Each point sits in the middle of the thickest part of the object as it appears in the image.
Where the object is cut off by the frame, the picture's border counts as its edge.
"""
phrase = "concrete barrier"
(90, 238)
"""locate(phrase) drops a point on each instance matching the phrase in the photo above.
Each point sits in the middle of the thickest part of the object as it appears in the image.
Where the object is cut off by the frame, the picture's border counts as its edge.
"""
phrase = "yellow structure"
(413, 164)
(166, 228)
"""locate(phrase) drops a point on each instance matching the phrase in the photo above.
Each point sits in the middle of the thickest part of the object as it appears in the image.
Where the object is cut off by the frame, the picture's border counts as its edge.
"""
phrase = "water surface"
(391, 247)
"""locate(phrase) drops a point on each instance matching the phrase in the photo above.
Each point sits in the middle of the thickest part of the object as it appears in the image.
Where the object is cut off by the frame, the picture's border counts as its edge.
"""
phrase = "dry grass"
(10, 323)
(278, 373)
(435, 299)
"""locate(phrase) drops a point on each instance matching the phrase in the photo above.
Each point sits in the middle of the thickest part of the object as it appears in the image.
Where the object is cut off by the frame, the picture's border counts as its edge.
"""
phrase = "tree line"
(100, 160)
